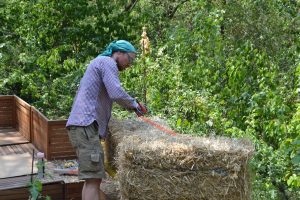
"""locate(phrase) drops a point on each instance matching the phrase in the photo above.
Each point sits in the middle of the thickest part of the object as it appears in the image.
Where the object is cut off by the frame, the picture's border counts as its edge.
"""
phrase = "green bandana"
(120, 45)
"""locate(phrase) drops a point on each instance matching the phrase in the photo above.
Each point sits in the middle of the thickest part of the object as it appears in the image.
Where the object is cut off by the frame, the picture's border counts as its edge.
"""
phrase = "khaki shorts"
(85, 140)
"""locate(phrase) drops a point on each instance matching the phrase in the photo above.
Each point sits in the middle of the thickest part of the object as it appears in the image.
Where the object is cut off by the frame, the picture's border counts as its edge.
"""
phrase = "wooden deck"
(24, 129)
(17, 149)
(16, 188)
(12, 142)
(11, 136)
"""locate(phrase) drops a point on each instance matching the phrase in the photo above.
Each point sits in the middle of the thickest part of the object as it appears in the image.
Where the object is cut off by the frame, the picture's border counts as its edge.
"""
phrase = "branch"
(170, 13)
(130, 6)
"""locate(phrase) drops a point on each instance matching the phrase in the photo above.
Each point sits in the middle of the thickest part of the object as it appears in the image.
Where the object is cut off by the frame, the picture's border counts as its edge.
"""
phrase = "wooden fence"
(48, 136)
(7, 111)
(22, 117)
(55, 190)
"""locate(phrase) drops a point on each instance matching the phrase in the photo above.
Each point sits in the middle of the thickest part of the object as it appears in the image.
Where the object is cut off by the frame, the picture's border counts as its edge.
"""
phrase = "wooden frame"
(56, 190)
(48, 136)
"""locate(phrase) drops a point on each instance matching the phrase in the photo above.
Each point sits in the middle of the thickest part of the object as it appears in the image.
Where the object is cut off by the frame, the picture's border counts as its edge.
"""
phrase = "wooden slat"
(6, 97)
(22, 109)
(39, 113)
(61, 154)
(17, 149)
(2, 152)
(22, 116)
(6, 101)
(20, 101)
(54, 190)
(39, 130)
(60, 145)
(57, 123)
(35, 127)
(73, 191)
(59, 148)
(6, 111)
(60, 132)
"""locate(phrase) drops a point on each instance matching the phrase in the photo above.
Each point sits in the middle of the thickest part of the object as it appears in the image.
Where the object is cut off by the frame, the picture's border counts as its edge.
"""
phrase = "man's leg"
(91, 189)
(90, 159)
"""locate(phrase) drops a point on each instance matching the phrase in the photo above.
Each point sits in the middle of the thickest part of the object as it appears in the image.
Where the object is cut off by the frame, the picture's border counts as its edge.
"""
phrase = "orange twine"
(158, 126)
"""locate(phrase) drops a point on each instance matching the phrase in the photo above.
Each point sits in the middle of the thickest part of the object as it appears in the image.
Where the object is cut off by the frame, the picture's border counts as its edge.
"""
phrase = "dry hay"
(183, 167)
(119, 129)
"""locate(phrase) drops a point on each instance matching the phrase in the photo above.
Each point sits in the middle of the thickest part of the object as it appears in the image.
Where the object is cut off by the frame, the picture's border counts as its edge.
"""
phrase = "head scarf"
(120, 45)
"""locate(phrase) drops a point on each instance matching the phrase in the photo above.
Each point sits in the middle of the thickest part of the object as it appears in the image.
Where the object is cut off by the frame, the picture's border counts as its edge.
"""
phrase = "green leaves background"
(217, 68)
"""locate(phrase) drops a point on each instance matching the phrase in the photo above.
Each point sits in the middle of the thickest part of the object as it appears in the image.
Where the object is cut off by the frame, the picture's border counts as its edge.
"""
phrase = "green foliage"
(227, 68)
(35, 189)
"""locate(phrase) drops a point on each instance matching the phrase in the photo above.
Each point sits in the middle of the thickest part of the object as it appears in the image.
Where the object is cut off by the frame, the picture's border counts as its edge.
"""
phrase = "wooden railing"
(7, 111)
(22, 117)
(48, 136)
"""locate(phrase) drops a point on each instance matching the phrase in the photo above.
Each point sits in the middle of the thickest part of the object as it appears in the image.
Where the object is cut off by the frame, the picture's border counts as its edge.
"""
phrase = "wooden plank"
(6, 101)
(6, 97)
(14, 114)
(2, 152)
(58, 131)
(41, 138)
(23, 116)
(4, 118)
(58, 123)
(36, 112)
(62, 154)
(22, 109)
(15, 194)
(11, 136)
(60, 148)
(14, 182)
(6, 123)
(54, 190)
(6, 150)
(10, 149)
(61, 137)
(17, 149)
(28, 148)
(6, 111)
(73, 190)
(21, 102)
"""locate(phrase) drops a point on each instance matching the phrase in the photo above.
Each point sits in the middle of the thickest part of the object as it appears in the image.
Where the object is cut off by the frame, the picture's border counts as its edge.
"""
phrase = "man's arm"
(114, 89)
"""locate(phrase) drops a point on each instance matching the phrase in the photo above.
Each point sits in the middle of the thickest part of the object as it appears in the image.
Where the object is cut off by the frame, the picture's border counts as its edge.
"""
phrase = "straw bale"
(183, 167)
(119, 129)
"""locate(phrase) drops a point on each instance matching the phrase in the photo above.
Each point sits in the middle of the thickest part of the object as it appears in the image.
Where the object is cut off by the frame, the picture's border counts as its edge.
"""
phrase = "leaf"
(296, 159)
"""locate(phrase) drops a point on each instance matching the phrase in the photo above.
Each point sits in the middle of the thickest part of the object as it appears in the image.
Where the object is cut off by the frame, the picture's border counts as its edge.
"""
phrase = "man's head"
(123, 59)
(122, 51)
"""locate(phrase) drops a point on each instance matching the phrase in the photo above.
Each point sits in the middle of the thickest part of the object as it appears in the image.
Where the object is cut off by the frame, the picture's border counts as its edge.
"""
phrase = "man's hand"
(141, 110)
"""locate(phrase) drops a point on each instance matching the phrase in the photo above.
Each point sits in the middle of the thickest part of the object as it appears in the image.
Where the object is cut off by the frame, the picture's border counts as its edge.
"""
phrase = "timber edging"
(48, 136)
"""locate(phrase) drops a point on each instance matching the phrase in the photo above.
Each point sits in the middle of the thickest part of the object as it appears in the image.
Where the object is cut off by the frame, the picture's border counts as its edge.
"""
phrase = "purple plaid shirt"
(98, 88)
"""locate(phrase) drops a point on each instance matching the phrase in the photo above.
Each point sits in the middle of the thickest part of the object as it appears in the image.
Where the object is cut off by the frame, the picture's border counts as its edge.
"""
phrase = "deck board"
(10, 136)
(15, 182)
(17, 149)
(14, 165)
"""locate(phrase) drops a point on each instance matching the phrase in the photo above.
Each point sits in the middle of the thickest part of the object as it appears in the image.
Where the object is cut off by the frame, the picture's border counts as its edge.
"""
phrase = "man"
(91, 111)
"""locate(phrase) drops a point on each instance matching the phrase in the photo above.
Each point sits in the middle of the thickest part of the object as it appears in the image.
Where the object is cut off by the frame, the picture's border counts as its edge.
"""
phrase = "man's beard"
(119, 66)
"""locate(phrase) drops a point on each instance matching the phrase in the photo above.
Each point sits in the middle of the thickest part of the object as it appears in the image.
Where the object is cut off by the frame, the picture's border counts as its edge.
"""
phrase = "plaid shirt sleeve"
(114, 89)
